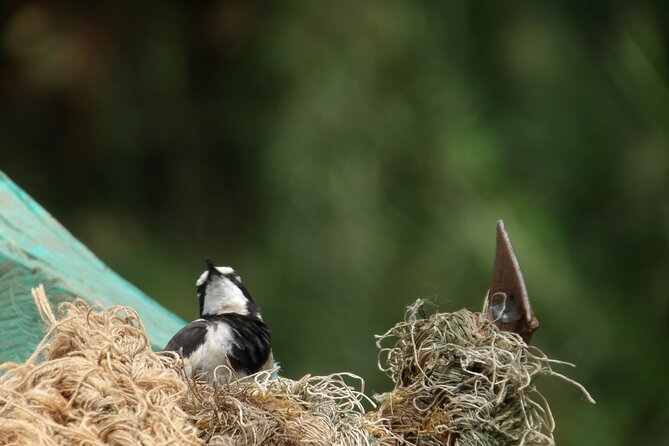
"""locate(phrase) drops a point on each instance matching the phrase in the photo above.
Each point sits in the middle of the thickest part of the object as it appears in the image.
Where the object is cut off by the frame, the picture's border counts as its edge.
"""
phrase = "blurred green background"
(348, 157)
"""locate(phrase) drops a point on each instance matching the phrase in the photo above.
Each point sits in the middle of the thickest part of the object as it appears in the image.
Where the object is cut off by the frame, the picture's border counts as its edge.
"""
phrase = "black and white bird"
(230, 330)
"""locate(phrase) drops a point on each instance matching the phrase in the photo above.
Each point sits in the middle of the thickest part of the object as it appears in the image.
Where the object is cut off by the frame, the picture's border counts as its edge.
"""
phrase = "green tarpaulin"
(34, 249)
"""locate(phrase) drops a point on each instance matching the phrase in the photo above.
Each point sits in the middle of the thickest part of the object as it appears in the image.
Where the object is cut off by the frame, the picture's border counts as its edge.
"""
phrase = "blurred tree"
(349, 157)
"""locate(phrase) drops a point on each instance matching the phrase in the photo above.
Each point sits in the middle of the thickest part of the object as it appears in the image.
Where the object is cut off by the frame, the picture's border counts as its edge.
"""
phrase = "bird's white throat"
(223, 296)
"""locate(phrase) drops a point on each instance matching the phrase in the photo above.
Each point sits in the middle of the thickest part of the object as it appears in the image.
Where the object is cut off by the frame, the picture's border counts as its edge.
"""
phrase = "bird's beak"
(210, 266)
(507, 303)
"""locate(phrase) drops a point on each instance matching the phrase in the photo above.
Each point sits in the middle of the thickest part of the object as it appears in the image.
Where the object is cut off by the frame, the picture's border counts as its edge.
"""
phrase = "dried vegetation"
(95, 380)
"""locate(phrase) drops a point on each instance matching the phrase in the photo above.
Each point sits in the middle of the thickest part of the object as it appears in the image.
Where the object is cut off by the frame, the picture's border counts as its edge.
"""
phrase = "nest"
(316, 410)
(461, 381)
(95, 380)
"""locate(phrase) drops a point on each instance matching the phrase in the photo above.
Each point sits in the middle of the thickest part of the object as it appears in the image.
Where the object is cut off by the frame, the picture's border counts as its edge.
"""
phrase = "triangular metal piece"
(507, 303)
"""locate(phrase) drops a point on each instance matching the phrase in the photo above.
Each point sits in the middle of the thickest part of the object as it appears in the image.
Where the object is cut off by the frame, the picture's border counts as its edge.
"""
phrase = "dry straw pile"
(94, 380)
(461, 381)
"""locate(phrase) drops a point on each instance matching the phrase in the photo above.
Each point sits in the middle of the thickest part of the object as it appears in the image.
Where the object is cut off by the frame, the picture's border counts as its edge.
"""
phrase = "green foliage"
(347, 157)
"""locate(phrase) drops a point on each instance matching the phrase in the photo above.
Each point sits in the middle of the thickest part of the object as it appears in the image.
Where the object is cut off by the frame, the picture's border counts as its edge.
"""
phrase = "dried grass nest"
(94, 380)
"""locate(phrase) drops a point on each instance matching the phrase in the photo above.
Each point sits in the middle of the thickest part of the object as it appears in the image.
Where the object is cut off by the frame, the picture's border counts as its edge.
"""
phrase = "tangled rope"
(95, 380)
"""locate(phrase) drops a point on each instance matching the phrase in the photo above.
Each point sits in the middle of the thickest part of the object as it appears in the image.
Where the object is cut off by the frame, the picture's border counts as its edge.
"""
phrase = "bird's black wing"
(251, 345)
(188, 338)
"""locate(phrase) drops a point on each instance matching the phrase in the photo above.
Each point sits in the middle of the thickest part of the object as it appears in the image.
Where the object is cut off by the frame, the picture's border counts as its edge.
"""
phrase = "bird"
(229, 332)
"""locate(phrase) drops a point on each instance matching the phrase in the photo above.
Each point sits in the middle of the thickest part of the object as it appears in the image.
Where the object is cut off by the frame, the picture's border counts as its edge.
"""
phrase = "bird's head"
(220, 291)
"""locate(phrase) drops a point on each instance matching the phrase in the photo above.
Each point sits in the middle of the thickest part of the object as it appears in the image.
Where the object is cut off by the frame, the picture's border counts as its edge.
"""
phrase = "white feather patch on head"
(221, 269)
